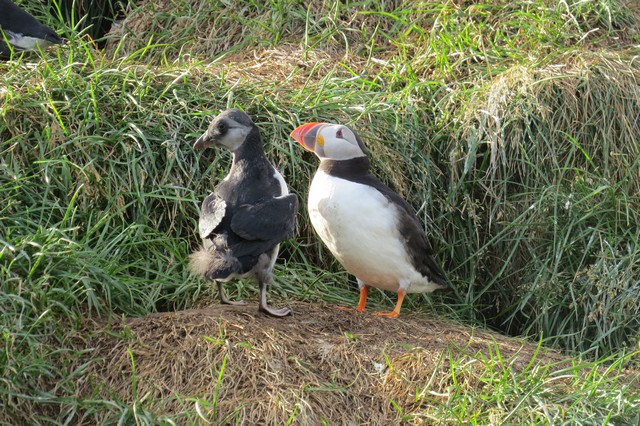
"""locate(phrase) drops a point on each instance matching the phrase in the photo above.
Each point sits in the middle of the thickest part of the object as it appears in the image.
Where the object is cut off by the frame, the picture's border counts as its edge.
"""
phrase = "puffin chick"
(247, 215)
(372, 231)
(20, 31)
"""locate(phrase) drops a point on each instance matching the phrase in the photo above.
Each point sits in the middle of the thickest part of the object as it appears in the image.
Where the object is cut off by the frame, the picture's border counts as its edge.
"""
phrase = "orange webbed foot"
(392, 314)
(396, 310)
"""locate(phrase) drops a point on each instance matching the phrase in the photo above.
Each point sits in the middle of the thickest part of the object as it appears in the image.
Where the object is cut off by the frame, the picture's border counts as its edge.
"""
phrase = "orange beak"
(306, 135)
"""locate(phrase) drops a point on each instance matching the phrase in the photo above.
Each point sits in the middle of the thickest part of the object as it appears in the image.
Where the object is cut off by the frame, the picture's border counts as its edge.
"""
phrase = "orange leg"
(396, 310)
(362, 302)
(364, 292)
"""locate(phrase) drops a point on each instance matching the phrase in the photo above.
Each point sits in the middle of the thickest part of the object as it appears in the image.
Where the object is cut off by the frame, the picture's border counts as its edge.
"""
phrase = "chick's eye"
(222, 126)
(339, 134)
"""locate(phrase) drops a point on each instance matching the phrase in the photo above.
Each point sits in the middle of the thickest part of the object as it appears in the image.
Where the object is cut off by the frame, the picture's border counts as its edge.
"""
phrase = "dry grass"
(324, 364)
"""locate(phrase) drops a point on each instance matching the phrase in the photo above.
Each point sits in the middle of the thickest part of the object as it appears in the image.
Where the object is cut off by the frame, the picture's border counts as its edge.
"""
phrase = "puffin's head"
(330, 141)
(228, 130)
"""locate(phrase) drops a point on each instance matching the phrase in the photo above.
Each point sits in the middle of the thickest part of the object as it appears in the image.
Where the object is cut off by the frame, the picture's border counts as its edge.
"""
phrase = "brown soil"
(323, 363)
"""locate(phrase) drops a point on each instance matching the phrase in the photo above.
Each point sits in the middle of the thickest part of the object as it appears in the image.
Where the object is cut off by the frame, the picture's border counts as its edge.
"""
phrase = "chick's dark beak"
(202, 142)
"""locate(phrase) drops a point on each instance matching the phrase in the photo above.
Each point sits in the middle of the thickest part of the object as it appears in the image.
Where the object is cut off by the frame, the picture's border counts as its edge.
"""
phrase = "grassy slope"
(515, 124)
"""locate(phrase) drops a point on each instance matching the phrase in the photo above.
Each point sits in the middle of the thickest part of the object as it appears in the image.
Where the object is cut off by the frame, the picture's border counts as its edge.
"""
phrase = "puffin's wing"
(273, 219)
(412, 232)
(18, 23)
(419, 247)
(211, 214)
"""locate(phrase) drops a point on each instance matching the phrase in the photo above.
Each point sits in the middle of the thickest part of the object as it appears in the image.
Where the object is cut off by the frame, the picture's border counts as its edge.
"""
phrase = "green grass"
(514, 124)
(488, 390)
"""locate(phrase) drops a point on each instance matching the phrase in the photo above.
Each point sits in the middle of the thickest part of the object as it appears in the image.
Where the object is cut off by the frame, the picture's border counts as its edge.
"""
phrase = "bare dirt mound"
(323, 363)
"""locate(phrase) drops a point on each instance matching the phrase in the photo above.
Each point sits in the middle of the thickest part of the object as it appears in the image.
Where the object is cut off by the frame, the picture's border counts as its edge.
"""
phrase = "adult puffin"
(247, 215)
(370, 229)
(21, 31)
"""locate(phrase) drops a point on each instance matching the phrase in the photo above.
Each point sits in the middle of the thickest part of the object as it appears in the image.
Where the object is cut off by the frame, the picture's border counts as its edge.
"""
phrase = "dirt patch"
(323, 363)
(290, 66)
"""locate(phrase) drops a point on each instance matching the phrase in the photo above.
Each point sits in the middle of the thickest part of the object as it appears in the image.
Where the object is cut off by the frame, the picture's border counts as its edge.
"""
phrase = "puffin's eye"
(339, 134)
(222, 127)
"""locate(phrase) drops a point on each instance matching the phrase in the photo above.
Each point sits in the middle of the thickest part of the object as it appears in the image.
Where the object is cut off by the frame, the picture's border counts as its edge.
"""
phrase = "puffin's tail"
(213, 264)
(200, 261)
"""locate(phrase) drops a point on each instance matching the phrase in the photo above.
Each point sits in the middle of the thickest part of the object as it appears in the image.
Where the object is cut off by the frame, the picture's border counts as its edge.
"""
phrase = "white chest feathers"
(359, 225)
(283, 185)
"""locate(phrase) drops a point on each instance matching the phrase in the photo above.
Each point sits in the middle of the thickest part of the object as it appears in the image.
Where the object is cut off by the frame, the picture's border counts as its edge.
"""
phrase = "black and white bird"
(372, 231)
(20, 31)
(249, 213)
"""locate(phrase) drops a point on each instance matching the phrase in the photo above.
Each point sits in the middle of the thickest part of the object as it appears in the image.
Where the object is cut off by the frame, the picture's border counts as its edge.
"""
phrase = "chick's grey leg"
(274, 312)
(223, 298)
(264, 277)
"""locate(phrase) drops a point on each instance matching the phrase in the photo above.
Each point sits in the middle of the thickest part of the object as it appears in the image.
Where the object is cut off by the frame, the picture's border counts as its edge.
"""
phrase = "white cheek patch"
(235, 137)
(283, 185)
(341, 149)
